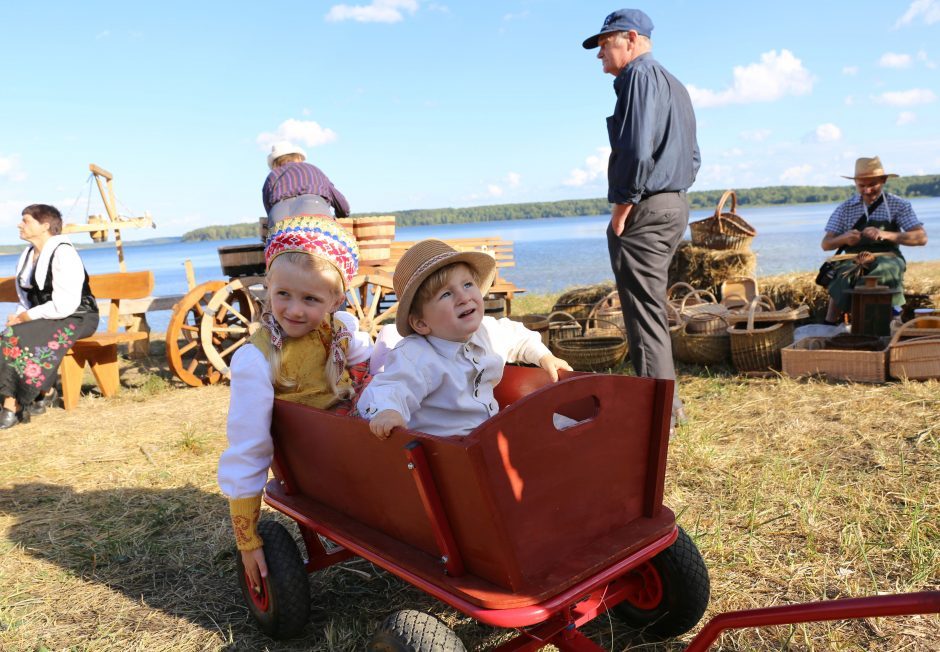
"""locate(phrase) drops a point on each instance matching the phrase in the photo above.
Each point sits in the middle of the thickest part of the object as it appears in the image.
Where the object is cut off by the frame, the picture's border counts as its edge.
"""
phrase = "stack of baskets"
(723, 230)
(698, 326)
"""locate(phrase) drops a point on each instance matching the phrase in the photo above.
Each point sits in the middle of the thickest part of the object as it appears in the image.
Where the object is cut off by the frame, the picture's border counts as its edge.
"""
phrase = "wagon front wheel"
(669, 593)
(414, 631)
(282, 608)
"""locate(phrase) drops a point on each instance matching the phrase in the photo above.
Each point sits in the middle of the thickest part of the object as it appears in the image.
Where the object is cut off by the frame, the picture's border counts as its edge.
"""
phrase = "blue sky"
(425, 104)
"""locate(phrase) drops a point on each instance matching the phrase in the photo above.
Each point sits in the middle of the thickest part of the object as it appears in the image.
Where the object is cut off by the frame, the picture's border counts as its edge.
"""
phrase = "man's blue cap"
(622, 20)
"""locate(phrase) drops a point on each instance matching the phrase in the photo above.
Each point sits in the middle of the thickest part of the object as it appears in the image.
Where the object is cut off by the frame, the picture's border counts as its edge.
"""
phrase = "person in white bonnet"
(295, 187)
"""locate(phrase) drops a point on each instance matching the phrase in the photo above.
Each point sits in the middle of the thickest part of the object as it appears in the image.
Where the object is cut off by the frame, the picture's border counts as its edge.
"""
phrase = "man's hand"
(851, 238)
(384, 422)
(619, 216)
(872, 233)
(551, 364)
(255, 566)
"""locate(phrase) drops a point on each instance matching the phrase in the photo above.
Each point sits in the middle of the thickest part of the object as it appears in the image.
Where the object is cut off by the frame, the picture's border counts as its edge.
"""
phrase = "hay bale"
(579, 302)
(707, 269)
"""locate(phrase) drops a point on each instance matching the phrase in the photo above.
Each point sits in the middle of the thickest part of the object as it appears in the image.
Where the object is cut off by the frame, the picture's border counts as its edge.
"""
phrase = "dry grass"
(114, 536)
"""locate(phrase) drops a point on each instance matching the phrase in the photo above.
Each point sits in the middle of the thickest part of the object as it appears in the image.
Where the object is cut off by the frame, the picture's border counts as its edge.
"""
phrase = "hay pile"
(580, 301)
(707, 269)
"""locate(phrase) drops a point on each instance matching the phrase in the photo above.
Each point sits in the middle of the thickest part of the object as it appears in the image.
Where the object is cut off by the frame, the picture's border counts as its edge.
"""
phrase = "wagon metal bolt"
(411, 466)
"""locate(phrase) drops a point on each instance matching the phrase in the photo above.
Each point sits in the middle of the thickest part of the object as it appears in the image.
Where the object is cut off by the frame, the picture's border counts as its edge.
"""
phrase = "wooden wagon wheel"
(367, 299)
(229, 320)
(184, 351)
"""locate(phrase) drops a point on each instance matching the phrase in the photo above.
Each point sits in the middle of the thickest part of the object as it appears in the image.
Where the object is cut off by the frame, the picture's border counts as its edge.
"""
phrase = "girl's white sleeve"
(243, 467)
(360, 346)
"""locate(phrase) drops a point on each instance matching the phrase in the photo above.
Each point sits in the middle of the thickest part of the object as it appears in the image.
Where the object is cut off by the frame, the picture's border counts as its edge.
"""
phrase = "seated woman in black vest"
(870, 221)
(56, 308)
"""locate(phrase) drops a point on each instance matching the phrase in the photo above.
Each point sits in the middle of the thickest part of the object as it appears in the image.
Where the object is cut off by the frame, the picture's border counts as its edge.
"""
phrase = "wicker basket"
(562, 326)
(914, 358)
(810, 357)
(700, 348)
(757, 348)
(723, 230)
(606, 315)
(702, 312)
(537, 323)
(597, 350)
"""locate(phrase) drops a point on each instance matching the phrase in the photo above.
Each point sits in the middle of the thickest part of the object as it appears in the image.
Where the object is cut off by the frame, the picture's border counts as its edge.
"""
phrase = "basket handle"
(760, 300)
(561, 313)
(909, 325)
(606, 301)
(678, 286)
(623, 333)
(724, 198)
(697, 294)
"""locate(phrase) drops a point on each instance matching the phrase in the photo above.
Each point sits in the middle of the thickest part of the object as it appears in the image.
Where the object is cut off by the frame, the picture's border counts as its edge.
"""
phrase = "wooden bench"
(99, 350)
(500, 249)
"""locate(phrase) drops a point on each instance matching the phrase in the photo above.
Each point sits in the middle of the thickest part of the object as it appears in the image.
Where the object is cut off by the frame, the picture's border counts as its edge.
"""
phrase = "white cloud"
(594, 167)
(906, 118)
(494, 190)
(924, 59)
(825, 133)
(928, 9)
(513, 179)
(906, 98)
(776, 76)
(756, 135)
(798, 174)
(379, 11)
(850, 70)
(894, 60)
(849, 100)
(10, 168)
(305, 132)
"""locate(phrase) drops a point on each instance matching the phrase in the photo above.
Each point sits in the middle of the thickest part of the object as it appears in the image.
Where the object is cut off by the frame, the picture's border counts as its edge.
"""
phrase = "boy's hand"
(551, 364)
(383, 423)
(255, 566)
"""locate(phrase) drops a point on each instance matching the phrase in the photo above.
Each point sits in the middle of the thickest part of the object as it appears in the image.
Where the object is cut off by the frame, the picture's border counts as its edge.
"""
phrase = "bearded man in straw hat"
(871, 221)
(654, 158)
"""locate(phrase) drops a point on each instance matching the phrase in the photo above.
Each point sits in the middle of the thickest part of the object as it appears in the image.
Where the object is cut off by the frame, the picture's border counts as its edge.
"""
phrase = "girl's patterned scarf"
(337, 345)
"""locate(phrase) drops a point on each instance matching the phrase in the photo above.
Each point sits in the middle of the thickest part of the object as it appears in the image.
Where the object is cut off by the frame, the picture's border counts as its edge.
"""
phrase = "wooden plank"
(122, 285)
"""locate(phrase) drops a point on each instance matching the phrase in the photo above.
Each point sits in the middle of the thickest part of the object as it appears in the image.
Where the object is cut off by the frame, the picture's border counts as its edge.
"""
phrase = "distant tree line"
(919, 186)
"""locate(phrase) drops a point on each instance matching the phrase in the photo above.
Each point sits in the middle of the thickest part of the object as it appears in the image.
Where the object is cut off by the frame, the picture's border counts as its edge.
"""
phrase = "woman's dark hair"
(46, 214)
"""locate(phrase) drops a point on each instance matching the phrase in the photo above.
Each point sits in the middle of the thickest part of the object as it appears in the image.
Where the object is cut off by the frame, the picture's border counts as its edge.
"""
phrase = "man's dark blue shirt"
(652, 134)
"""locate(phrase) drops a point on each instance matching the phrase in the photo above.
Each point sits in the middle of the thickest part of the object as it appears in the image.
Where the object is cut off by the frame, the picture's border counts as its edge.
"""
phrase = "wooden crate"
(807, 357)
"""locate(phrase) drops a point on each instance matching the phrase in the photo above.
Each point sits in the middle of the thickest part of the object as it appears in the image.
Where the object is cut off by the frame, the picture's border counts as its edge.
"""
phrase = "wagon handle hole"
(575, 413)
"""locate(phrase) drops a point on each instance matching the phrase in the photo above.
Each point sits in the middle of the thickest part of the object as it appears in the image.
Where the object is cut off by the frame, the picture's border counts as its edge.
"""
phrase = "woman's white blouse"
(446, 388)
(68, 277)
(243, 467)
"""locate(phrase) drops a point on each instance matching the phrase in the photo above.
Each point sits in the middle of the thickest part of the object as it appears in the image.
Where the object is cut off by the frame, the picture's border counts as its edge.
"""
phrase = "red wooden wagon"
(520, 524)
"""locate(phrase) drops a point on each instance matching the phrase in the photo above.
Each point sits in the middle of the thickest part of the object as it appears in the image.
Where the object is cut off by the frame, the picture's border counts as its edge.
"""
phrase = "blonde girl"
(302, 354)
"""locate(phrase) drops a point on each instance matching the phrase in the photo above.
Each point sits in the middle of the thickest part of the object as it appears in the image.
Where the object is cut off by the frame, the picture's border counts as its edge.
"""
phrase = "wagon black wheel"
(283, 606)
(670, 592)
(414, 631)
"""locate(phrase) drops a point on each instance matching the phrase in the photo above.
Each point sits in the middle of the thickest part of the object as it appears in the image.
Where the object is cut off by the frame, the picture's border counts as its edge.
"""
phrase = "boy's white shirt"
(243, 466)
(446, 388)
(68, 277)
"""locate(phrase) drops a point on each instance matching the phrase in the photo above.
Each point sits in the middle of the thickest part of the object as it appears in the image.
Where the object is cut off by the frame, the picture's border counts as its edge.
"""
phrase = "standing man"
(653, 161)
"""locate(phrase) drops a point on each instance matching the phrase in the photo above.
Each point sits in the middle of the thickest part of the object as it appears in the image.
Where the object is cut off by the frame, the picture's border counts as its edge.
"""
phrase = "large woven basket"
(723, 230)
(757, 347)
(702, 312)
(914, 358)
(737, 291)
(812, 356)
(700, 348)
(599, 349)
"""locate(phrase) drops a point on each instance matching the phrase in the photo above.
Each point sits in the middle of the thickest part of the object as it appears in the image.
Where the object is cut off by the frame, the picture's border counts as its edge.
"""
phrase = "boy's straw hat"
(283, 148)
(868, 168)
(423, 259)
(318, 236)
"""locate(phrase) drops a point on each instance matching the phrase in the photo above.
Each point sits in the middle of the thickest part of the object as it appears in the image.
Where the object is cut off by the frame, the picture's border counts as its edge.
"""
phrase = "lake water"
(551, 254)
